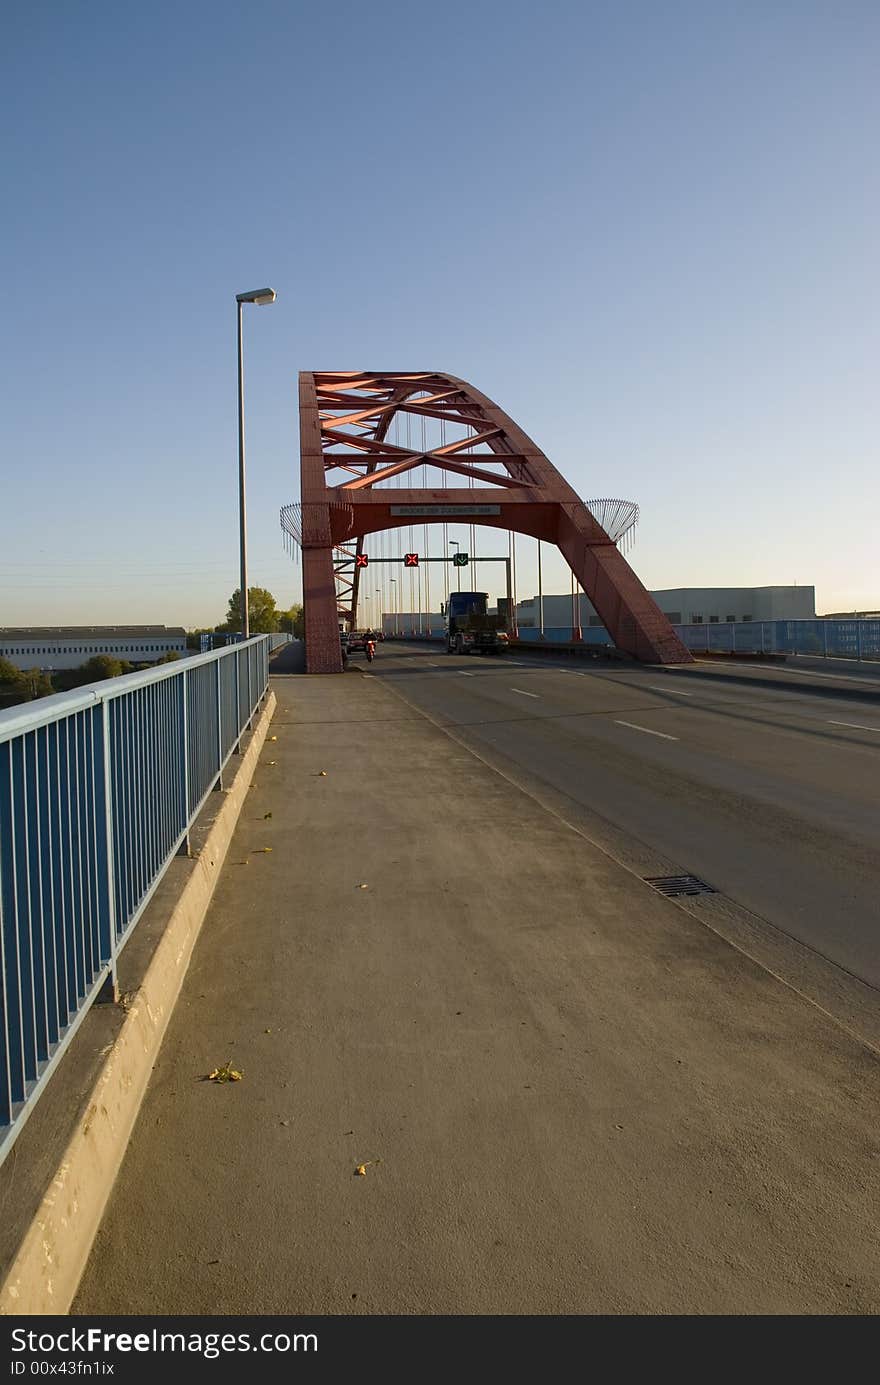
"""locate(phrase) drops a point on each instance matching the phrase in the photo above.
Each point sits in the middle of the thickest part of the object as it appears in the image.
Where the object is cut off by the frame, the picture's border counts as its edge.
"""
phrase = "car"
(357, 640)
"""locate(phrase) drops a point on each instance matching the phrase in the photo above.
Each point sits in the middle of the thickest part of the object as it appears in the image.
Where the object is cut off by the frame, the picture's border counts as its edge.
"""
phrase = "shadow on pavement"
(291, 658)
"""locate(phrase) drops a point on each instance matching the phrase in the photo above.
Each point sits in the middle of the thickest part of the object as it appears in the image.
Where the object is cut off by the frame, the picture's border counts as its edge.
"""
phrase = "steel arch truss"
(495, 473)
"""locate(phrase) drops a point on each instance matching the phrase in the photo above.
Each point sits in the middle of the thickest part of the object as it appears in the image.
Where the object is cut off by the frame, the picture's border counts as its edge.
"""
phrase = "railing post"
(250, 691)
(219, 784)
(184, 848)
(236, 750)
(824, 639)
(859, 640)
(109, 992)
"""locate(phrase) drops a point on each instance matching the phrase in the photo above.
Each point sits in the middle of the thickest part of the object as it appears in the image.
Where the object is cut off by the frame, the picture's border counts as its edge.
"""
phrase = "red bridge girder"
(344, 421)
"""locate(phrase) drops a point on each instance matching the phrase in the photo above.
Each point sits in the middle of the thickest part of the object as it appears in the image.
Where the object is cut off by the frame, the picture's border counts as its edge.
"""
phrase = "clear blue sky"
(649, 230)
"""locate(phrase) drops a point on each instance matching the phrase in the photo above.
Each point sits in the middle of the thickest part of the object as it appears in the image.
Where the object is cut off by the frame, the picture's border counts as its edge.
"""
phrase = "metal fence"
(829, 639)
(98, 790)
(209, 640)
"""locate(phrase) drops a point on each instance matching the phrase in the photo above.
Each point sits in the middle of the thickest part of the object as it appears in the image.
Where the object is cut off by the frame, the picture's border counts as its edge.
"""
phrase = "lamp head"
(259, 296)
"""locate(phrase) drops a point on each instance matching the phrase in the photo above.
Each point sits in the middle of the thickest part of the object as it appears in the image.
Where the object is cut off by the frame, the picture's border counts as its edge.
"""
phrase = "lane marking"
(647, 730)
(800, 672)
(677, 691)
(522, 692)
(856, 726)
(463, 673)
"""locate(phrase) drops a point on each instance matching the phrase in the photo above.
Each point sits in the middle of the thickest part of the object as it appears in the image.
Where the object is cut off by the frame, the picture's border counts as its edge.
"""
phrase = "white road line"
(855, 725)
(800, 672)
(677, 691)
(647, 730)
(522, 692)
(463, 673)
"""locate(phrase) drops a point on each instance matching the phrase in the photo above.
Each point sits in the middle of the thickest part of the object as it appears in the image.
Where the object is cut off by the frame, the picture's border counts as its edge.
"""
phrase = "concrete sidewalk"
(569, 1095)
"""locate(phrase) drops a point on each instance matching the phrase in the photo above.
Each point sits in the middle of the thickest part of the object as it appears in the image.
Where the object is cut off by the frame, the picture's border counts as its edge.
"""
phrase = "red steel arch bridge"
(477, 468)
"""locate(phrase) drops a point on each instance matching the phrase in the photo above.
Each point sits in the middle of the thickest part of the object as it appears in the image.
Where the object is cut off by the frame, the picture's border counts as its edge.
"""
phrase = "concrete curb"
(44, 1276)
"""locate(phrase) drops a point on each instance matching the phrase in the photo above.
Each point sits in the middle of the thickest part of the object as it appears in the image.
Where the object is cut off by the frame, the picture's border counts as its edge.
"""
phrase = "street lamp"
(458, 569)
(393, 581)
(259, 296)
(379, 612)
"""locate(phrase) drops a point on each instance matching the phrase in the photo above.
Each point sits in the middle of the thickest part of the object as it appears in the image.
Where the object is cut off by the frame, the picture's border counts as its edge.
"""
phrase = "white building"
(53, 648)
(686, 606)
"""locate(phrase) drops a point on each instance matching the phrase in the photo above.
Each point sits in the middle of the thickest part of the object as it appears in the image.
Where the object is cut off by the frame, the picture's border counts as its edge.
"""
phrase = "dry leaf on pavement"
(227, 1073)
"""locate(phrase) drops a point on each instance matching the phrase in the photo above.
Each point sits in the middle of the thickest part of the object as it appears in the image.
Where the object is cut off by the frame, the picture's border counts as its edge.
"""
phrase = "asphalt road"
(771, 794)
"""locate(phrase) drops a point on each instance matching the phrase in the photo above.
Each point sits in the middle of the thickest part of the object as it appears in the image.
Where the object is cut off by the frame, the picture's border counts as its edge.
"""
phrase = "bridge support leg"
(628, 611)
(323, 647)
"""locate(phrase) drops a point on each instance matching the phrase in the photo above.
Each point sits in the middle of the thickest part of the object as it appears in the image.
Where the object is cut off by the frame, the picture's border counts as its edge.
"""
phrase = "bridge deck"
(569, 1095)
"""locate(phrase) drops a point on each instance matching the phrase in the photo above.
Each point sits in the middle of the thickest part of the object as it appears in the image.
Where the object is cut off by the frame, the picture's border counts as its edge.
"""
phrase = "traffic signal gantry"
(415, 560)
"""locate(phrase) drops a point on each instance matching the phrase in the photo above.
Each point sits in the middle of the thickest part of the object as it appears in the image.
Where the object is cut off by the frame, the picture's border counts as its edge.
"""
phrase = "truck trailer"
(469, 627)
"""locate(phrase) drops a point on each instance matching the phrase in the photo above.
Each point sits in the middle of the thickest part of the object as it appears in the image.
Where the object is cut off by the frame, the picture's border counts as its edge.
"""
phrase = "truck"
(469, 627)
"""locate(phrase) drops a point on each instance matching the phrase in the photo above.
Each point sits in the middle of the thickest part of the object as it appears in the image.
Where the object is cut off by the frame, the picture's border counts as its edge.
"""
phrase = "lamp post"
(393, 581)
(259, 296)
(379, 612)
(458, 569)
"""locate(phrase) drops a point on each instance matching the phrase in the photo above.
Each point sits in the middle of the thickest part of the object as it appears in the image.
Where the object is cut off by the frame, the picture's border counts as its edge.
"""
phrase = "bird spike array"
(618, 518)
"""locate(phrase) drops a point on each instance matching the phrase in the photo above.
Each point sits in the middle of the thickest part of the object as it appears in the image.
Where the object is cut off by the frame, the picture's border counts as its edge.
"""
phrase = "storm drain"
(672, 885)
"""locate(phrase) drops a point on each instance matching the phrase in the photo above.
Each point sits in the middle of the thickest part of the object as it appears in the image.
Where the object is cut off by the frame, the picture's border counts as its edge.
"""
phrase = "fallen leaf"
(258, 849)
(361, 1170)
(271, 762)
(225, 1074)
(267, 1031)
(285, 1122)
(266, 815)
(322, 774)
(272, 738)
(363, 887)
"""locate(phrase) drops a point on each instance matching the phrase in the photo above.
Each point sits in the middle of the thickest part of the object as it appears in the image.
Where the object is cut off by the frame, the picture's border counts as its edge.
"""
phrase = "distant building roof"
(90, 632)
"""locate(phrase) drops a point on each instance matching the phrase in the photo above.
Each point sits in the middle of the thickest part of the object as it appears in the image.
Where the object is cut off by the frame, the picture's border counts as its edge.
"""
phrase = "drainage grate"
(673, 885)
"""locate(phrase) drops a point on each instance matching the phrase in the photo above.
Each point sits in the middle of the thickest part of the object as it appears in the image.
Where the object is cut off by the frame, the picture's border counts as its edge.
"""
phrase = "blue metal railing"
(830, 639)
(98, 790)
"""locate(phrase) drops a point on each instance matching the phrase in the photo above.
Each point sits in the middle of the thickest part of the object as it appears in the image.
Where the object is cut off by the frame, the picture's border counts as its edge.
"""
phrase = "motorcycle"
(370, 647)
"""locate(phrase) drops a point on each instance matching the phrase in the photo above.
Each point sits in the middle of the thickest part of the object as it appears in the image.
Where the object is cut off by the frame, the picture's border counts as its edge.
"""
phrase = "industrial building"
(684, 606)
(52, 648)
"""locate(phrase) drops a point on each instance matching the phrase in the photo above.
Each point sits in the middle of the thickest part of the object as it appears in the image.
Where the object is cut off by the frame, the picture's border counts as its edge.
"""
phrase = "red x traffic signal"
(410, 560)
(361, 560)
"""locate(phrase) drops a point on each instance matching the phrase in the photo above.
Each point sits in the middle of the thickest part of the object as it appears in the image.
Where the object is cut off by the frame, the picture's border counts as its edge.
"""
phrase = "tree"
(292, 622)
(22, 685)
(101, 666)
(39, 683)
(262, 611)
(9, 673)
